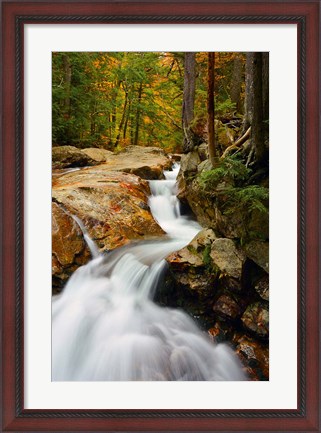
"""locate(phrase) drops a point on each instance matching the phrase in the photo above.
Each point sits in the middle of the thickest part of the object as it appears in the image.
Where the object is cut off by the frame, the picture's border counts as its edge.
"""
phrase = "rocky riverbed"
(221, 282)
(109, 197)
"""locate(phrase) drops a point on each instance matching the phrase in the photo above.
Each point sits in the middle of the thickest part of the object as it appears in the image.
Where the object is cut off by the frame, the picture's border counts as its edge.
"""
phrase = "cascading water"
(105, 326)
(90, 243)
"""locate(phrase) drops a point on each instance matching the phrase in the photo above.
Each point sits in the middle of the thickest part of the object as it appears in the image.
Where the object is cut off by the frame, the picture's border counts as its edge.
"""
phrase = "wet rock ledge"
(109, 197)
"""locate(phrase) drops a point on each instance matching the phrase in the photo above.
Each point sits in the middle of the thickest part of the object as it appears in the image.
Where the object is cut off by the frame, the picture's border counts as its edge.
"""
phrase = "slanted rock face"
(69, 250)
(69, 156)
(112, 206)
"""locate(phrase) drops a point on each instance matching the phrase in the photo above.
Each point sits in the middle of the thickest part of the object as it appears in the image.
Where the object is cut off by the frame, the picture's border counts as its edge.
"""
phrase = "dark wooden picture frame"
(305, 14)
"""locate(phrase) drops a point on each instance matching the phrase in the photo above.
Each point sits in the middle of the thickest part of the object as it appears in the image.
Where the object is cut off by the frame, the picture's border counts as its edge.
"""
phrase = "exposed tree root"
(238, 143)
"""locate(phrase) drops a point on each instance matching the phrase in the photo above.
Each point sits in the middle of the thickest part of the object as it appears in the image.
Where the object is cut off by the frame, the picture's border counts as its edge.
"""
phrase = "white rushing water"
(106, 327)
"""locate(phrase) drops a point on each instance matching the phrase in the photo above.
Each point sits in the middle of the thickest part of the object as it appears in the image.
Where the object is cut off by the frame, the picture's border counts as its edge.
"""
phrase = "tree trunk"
(131, 132)
(113, 118)
(68, 132)
(211, 108)
(265, 90)
(248, 101)
(67, 72)
(257, 122)
(140, 91)
(236, 82)
(109, 128)
(114, 96)
(126, 120)
(188, 101)
(122, 121)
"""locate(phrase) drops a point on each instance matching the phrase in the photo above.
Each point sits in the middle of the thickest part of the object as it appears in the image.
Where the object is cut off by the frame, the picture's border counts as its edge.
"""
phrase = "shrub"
(228, 169)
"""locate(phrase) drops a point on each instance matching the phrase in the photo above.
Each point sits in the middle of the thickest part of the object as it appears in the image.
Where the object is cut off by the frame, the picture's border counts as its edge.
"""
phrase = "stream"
(106, 327)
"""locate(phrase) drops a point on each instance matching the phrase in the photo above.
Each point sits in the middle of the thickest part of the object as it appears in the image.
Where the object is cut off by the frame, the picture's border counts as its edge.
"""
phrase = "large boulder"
(217, 202)
(189, 163)
(70, 156)
(69, 250)
(145, 162)
(98, 155)
(113, 206)
(190, 280)
(214, 270)
(213, 208)
(228, 259)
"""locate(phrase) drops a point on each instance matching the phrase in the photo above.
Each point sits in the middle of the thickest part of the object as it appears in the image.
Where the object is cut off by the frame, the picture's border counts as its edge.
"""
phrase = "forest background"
(111, 100)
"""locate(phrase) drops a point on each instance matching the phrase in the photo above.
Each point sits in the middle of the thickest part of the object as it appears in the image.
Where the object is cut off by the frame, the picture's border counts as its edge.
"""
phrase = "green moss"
(192, 249)
(207, 259)
(211, 268)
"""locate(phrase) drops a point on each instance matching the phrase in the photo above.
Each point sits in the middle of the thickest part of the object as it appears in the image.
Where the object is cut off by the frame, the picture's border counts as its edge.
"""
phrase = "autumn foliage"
(111, 100)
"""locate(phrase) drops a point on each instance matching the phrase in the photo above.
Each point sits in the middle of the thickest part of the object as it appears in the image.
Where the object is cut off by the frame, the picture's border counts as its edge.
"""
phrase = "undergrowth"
(250, 198)
(228, 169)
(239, 196)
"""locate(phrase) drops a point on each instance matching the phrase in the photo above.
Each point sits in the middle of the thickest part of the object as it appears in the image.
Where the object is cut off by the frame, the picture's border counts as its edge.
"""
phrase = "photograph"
(160, 216)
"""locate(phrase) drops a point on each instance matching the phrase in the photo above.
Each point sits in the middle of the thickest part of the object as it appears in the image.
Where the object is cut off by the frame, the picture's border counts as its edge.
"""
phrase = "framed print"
(135, 132)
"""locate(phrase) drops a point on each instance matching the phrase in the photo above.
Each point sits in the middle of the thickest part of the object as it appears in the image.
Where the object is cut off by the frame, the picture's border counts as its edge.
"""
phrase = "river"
(106, 327)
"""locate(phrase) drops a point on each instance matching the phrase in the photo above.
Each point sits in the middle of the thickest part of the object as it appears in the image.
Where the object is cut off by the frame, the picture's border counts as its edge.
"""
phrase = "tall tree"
(67, 79)
(211, 108)
(188, 100)
(248, 101)
(257, 105)
(236, 82)
(265, 90)
(122, 123)
(138, 111)
(257, 122)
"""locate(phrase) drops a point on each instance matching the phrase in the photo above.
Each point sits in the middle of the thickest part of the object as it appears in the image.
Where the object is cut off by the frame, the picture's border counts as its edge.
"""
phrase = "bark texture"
(188, 101)
(211, 107)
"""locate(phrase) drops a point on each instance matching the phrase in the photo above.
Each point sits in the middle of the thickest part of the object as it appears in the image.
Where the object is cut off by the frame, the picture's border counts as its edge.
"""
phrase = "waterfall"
(94, 251)
(106, 327)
